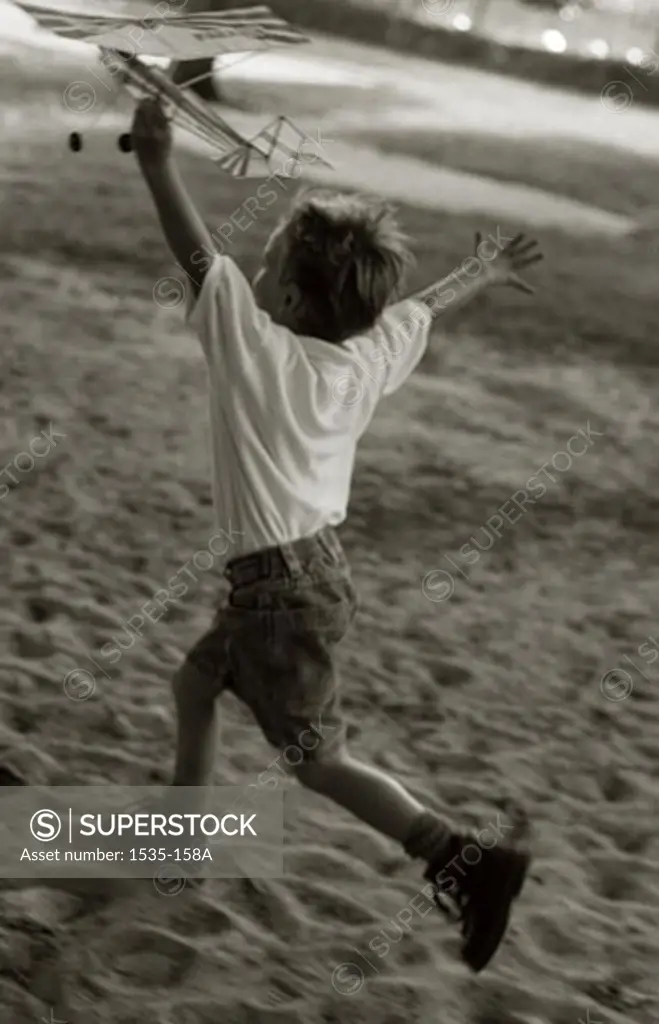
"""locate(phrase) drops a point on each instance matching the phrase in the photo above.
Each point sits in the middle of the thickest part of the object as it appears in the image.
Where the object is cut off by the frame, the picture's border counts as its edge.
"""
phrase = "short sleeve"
(232, 328)
(396, 345)
(197, 303)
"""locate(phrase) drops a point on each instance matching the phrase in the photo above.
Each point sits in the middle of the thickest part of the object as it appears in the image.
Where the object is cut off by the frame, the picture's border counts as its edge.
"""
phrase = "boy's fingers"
(149, 109)
(521, 249)
(529, 260)
(522, 286)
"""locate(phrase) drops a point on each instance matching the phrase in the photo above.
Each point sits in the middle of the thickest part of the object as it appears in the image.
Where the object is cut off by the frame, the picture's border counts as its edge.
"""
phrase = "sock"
(429, 837)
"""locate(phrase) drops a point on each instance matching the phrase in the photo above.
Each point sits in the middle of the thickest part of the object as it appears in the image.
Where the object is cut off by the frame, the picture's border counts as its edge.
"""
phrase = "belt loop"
(329, 544)
(291, 560)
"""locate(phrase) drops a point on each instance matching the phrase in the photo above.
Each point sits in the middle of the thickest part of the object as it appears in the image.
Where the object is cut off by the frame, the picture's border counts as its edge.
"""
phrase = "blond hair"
(347, 256)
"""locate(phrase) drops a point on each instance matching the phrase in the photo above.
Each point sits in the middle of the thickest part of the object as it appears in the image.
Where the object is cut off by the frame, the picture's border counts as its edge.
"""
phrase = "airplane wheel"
(75, 142)
(125, 143)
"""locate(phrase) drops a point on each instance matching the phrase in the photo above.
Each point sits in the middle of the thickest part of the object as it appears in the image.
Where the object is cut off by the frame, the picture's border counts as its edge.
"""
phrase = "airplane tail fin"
(280, 148)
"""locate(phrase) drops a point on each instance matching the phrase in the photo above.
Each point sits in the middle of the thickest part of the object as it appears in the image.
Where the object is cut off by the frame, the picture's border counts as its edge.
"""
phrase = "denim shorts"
(273, 643)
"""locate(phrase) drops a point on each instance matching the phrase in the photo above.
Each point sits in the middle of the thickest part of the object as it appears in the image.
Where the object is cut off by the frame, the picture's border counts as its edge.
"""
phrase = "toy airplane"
(186, 37)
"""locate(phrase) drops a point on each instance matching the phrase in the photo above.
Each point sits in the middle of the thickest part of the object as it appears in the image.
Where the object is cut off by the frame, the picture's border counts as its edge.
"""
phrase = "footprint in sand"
(280, 987)
(615, 878)
(18, 1006)
(271, 906)
(152, 956)
(206, 918)
(31, 645)
(615, 787)
(39, 611)
(61, 529)
(317, 861)
(550, 937)
(326, 902)
(635, 840)
(25, 718)
(10, 777)
(22, 539)
(449, 673)
(102, 423)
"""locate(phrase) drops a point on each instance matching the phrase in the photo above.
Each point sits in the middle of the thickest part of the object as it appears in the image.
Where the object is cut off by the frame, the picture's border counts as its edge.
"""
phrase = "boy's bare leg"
(375, 798)
(196, 686)
(196, 739)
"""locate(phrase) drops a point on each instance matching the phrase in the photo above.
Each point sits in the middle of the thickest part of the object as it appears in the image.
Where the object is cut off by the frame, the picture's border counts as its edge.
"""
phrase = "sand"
(471, 691)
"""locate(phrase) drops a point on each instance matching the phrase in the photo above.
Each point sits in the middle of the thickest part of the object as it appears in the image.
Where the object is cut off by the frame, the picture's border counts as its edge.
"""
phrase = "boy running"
(297, 365)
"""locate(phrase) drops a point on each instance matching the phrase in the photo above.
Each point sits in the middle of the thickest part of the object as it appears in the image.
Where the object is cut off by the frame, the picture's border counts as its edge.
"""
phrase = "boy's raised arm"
(486, 271)
(186, 234)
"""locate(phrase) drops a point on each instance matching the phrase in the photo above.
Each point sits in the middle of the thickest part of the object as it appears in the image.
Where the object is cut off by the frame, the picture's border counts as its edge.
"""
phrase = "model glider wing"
(186, 109)
(180, 37)
(70, 24)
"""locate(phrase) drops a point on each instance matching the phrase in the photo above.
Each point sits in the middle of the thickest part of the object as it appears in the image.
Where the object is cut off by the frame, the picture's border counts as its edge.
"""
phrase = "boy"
(297, 366)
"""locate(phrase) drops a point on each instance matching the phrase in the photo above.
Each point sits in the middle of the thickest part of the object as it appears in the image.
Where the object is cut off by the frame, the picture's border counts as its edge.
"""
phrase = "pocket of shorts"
(325, 608)
(247, 599)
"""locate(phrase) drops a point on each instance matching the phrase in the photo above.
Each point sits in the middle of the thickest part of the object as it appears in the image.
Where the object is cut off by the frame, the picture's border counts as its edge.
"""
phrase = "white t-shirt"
(287, 410)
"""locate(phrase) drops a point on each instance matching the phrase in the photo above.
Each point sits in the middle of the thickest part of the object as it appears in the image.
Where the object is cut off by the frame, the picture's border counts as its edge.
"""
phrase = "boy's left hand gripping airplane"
(181, 38)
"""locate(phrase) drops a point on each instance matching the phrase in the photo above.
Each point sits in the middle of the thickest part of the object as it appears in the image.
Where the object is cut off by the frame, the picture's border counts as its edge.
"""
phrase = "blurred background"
(623, 28)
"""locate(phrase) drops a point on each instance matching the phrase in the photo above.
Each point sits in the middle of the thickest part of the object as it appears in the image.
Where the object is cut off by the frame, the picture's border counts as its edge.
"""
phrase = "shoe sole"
(509, 882)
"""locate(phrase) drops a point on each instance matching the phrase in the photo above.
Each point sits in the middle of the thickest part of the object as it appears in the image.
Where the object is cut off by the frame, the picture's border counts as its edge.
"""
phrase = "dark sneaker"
(478, 892)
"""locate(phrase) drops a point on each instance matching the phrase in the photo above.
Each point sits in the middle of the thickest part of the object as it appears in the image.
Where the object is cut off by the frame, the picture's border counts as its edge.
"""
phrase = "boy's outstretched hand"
(151, 133)
(504, 267)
